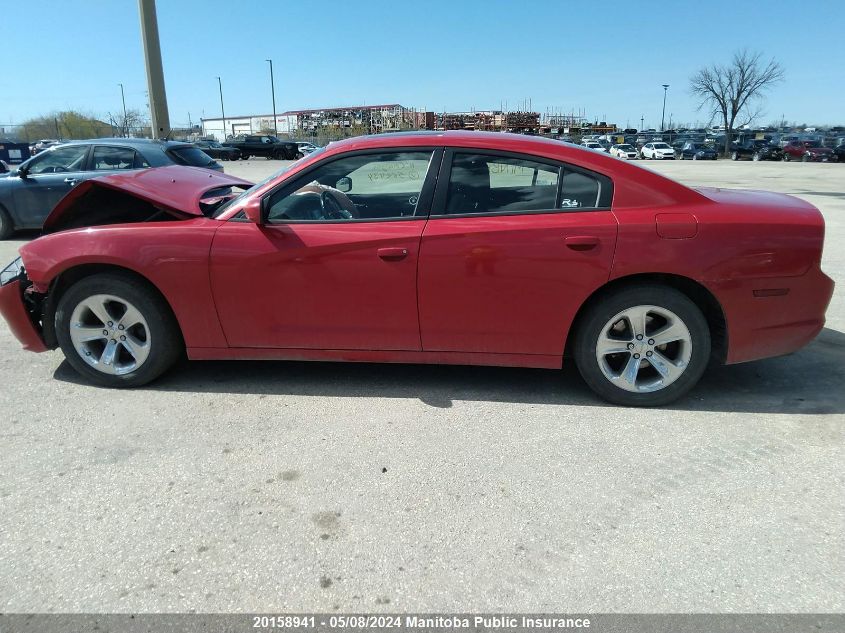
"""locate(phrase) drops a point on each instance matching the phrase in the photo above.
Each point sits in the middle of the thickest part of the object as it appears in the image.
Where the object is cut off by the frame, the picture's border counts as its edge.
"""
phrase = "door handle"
(392, 253)
(71, 181)
(582, 242)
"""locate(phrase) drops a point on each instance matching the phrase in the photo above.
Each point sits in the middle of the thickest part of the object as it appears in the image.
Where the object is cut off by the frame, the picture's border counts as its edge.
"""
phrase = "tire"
(695, 156)
(155, 339)
(756, 157)
(785, 158)
(805, 158)
(664, 306)
(681, 156)
(6, 226)
(734, 156)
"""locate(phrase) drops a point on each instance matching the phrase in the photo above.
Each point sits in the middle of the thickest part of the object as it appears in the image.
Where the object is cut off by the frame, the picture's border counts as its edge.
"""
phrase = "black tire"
(598, 315)
(165, 340)
(734, 156)
(6, 226)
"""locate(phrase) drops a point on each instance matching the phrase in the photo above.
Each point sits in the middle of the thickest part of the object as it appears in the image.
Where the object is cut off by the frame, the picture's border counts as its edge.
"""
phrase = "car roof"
(132, 142)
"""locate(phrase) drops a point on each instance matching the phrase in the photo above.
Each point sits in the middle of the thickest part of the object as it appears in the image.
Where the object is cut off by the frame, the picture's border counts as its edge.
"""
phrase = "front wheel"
(117, 332)
(646, 345)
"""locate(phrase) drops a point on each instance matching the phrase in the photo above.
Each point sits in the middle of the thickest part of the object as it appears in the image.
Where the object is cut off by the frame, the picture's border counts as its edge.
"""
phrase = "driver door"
(334, 265)
(50, 175)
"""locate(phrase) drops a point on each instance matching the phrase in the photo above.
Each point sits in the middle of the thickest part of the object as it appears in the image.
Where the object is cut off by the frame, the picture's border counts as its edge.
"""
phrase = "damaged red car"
(459, 248)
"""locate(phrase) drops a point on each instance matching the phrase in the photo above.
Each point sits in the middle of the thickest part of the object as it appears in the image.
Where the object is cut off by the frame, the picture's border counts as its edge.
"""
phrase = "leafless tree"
(733, 91)
(134, 120)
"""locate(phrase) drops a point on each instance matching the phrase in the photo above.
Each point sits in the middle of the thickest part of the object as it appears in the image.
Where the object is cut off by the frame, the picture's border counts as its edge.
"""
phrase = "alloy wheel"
(644, 348)
(110, 334)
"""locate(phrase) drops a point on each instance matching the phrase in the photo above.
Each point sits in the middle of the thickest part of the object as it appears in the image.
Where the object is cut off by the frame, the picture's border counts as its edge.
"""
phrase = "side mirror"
(252, 210)
(23, 171)
(344, 184)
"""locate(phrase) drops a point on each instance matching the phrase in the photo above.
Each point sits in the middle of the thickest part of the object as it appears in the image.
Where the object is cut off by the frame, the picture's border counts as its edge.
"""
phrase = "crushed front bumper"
(22, 325)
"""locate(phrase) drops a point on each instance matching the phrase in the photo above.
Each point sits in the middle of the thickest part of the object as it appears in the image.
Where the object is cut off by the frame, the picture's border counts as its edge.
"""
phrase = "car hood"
(174, 189)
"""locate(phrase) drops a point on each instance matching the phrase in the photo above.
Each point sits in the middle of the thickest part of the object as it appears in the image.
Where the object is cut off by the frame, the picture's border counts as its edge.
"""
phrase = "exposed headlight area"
(12, 272)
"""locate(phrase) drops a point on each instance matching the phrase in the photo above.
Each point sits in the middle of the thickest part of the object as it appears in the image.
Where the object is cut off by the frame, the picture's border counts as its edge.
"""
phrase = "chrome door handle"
(71, 181)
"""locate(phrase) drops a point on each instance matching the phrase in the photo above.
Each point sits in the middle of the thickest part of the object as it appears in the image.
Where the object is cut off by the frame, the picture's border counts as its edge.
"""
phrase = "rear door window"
(113, 158)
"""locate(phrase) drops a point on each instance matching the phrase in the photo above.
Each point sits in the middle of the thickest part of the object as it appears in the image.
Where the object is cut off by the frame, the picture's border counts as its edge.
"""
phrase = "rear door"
(514, 246)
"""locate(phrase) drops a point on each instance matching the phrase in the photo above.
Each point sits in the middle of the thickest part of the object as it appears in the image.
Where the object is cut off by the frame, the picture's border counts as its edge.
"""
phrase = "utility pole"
(123, 98)
(273, 90)
(220, 85)
(642, 122)
(663, 118)
(155, 73)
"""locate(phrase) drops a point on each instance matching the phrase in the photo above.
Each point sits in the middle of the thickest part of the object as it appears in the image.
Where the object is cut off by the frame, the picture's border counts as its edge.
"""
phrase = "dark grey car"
(30, 191)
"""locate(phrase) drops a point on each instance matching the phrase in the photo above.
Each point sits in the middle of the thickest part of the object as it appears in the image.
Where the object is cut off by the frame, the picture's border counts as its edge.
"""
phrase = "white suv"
(657, 150)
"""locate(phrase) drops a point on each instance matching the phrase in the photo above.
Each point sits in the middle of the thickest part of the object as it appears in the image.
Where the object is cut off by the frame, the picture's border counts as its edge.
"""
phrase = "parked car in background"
(4, 168)
(807, 151)
(305, 148)
(468, 248)
(593, 145)
(756, 149)
(216, 150)
(696, 151)
(623, 150)
(657, 150)
(40, 146)
(839, 153)
(31, 190)
(264, 145)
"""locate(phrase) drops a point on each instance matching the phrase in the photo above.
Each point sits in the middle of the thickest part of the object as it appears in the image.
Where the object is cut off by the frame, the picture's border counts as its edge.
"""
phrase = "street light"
(273, 90)
(123, 98)
(663, 118)
(220, 85)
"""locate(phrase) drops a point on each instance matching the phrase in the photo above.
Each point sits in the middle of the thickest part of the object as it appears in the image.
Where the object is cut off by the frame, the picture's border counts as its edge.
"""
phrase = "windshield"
(661, 146)
(219, 211)
(811, 144)
(626, 147)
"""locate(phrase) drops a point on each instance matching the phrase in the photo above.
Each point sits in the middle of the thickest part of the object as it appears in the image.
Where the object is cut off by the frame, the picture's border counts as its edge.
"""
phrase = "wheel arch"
(70, 276)
(699, 294)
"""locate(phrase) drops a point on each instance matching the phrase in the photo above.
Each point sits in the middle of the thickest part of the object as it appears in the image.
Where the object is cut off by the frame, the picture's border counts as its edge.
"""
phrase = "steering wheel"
(334, 210)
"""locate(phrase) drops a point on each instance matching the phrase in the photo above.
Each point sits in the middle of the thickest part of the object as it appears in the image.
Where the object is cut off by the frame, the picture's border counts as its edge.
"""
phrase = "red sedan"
(460, 248)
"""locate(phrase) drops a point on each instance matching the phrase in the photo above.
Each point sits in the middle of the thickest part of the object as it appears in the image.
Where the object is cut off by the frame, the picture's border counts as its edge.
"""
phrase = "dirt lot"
(294, 486)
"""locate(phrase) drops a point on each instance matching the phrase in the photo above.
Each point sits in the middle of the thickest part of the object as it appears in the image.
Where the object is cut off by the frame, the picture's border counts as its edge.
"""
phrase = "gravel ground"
(272, 486)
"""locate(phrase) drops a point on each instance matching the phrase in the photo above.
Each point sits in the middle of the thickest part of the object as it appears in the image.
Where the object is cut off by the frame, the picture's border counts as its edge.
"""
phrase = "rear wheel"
(117, 332)
(6, 226)
(645, 345)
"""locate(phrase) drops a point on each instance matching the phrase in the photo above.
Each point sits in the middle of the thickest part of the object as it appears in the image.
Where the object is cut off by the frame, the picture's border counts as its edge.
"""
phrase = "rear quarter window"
(192, 156)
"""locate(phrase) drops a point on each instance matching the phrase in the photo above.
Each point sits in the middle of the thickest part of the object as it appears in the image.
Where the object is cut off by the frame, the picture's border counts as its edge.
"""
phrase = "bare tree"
(734, 91)
(133, 121)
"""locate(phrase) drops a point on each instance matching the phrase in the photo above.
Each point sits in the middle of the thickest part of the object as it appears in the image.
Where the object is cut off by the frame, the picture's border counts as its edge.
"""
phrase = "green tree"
(66, 125)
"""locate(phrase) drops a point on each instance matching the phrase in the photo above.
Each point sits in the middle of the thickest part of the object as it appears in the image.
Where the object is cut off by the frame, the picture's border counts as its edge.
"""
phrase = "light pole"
(123, 98)
(663, 118)
(220, 85)
(273, 90)
(642, 122)
(155, 73)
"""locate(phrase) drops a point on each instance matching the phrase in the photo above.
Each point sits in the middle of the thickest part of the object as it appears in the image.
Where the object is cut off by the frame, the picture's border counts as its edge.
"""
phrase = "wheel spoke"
(607, 345)
(630, 372)
(130, 317)
(673, 331)
(665, 367)
(137, 349)
(97, 306)
(106, 364)
(83, 333)
(637, 319)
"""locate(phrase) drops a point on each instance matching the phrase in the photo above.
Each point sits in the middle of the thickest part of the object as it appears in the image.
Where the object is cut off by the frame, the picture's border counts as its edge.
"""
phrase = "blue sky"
(433, 54)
